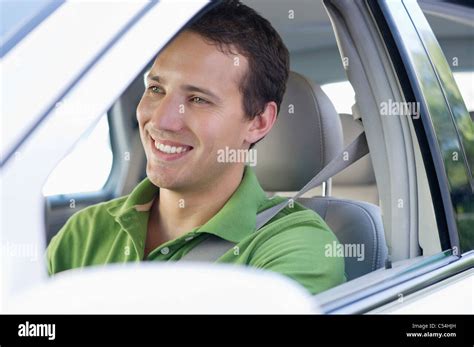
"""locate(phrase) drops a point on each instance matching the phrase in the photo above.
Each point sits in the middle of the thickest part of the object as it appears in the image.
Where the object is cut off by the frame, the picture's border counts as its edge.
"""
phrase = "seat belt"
(214, 247)
(208, 250)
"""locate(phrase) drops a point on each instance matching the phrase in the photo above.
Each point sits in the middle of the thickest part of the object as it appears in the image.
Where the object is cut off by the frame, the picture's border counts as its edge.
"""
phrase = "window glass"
(87, 167)
(341, 94)
(456, 39)
(465, 82)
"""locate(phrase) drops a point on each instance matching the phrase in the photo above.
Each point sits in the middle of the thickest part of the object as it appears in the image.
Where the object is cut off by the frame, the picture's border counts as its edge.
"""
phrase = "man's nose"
(168, 114)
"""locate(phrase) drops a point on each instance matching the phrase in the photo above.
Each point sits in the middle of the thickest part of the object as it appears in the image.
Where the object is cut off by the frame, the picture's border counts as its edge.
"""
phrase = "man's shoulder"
(294, 215)
(68, 248)
(295, 243)
(82, 222)
(295, 225)
(97, 212)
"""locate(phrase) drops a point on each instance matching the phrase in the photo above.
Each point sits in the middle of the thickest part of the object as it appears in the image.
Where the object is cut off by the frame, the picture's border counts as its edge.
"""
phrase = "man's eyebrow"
(191, 88)
(187, 87)
(154, 78)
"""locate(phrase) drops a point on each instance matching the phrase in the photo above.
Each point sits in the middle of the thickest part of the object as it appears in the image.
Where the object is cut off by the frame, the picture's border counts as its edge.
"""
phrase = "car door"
(61, 72)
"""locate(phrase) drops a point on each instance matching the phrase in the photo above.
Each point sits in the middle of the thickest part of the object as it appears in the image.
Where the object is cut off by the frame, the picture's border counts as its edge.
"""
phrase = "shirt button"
(165, 250)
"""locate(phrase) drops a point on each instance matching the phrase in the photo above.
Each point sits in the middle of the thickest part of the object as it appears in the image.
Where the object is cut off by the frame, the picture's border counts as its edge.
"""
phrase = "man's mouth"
(169, 150)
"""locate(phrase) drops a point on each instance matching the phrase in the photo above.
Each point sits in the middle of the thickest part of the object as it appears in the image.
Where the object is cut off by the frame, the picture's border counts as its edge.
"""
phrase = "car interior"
(382, 200)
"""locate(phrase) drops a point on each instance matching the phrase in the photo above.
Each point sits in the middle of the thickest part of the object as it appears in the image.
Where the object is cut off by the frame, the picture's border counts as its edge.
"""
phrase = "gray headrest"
(362, 171)
(305, 137)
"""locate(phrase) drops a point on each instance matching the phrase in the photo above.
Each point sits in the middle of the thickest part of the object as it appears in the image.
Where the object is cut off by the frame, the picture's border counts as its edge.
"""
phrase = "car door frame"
(384, 286)
(38, 146)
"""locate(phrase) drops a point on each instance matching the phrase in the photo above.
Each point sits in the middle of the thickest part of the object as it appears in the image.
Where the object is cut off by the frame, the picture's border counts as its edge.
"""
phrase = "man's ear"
(262, 124)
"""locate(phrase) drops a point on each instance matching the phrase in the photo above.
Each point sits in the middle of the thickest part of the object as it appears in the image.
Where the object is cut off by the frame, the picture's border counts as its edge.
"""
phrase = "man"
(217, 86)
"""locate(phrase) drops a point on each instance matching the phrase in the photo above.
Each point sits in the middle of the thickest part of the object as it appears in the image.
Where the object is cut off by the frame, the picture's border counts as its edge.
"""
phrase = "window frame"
(355, 297)
(440, 121)
(28, 25)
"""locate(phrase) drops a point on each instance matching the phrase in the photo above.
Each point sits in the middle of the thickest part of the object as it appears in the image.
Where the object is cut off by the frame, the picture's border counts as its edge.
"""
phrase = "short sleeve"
(300, 253)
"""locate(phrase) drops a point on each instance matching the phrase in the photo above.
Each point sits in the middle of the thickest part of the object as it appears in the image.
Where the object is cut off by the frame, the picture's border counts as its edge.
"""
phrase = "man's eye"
(199, 100)
(155, 89)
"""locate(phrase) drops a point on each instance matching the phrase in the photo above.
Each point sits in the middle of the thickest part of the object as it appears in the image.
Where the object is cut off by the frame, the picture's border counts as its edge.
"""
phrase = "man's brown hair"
(233, 26)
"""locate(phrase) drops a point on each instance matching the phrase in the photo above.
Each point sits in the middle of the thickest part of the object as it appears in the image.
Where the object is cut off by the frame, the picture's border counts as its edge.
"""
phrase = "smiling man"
(218, 85)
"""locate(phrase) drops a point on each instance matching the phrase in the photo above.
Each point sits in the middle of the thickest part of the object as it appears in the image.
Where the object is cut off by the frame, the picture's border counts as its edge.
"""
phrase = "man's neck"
(179, 212)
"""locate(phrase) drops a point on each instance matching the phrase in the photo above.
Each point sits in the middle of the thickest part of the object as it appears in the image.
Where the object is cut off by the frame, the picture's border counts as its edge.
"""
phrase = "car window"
(87, 167)
(341, 94)
(19, 17)
(456, 39)
(465, 82)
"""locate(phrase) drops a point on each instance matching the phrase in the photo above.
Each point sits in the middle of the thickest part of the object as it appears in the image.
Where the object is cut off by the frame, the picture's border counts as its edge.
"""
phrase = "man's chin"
(166, 180)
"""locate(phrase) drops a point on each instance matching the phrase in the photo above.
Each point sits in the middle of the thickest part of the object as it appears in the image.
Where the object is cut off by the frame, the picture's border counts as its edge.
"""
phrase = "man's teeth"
(170, 149)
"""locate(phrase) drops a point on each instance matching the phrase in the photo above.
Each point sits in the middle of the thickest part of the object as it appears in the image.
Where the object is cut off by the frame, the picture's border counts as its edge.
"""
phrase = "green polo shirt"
(292, 243)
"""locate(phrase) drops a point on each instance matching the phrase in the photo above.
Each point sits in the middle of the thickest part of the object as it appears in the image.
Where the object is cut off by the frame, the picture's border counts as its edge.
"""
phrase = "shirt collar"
(238, 218)
(234, 221)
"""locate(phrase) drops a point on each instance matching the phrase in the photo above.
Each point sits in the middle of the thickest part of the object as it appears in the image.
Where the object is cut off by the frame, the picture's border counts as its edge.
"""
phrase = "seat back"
(358, 227)
(306, 136)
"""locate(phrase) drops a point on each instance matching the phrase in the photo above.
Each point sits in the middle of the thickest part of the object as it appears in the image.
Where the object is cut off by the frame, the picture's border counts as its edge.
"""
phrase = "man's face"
(191, 108)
